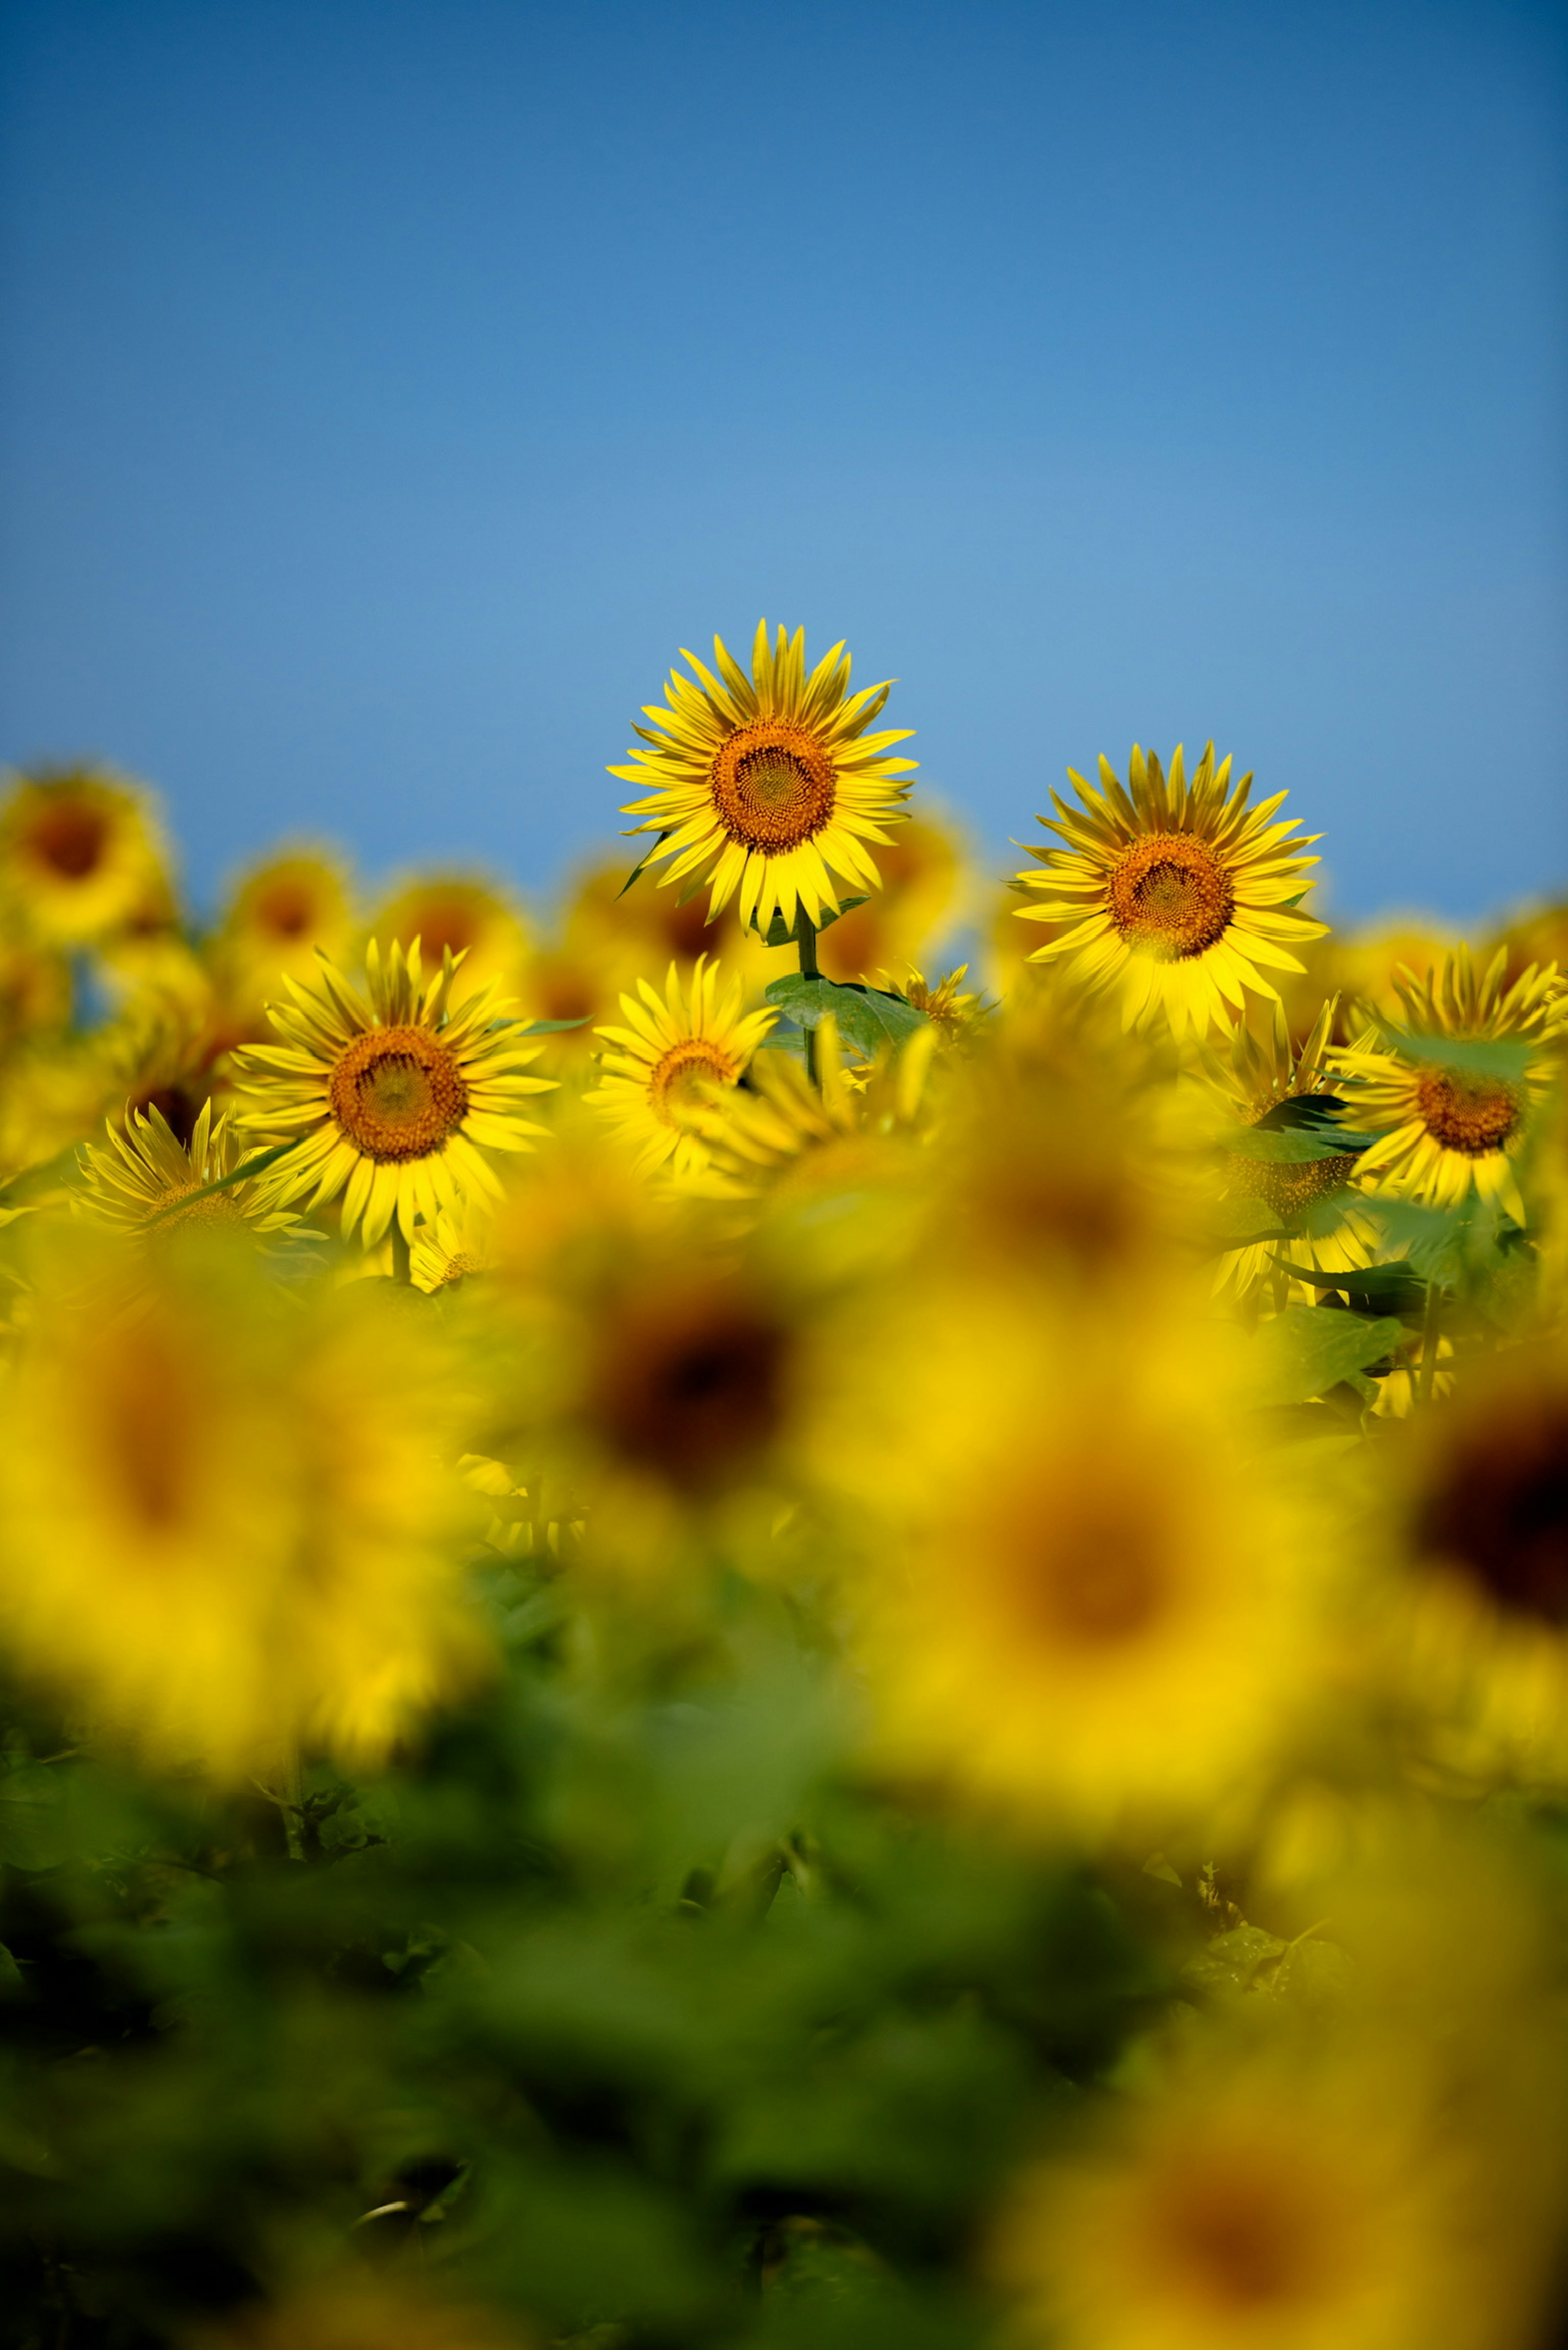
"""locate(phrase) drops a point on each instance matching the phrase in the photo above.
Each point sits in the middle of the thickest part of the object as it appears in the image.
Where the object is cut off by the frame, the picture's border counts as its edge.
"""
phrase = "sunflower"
(397, 1099)
(139, 1181)
(1454, 1128)
(1268, 1083)
(769, 785)
(452, 1248)
(1175, 893)
(444, 910)
(278, 913)
(1478, 1502)
(664, 1064)
(1068, 1624)
(80, 855)
(243, 1495)
(1301, 2196)
(363, 2311)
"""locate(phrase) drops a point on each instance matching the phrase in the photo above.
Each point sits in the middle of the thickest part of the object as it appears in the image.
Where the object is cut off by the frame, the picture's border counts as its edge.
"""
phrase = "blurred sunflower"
(451, 913)
(1454, 1126)
(1177, 895)
(1090, 1599)
(1306, 2197)
(252, 1534)
(1479, 1488)
(394, 1100)
(768, 786)
(665, 1063)
(80, 855)
(452, 1248)
(923, 873)
(139, 1181)
(278, 913)
(366, 2312)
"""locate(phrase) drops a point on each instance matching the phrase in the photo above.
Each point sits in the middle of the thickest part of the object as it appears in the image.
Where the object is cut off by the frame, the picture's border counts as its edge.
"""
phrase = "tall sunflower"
(665, 1063)
(769, 784)
(395, 1100)
(1175, 892)
(140, 1180)
(1448, 1129)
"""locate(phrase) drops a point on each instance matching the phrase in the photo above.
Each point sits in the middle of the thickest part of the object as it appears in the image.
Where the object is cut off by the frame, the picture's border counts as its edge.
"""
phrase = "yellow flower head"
(1088, 1602)
(79, 855)
(1480, 1495)
(278, 913)
(139, 1181)
(1264, 1081)
(451, 913)
(1302, 2197)
(242, 1495)
(394, 1100)
(769, 784)
(665, 1063)
(1177, 895)
(1456, 1126)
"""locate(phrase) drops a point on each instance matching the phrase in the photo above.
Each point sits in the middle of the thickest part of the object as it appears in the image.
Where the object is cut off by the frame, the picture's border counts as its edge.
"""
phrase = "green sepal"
(781, 934)
(643, 864)
(868, 1017)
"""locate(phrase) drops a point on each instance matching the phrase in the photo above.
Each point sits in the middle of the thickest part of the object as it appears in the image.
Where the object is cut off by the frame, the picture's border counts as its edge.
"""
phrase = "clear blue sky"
(391, 389)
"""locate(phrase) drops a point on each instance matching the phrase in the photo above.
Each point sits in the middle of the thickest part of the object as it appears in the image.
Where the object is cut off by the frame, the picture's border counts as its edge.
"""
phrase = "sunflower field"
(711, 1642)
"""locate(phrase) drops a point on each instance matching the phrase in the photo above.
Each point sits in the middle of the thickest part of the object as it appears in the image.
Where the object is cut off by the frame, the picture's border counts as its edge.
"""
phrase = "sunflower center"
(695, 1392)
(1500, 1510)
(286, 910)
(677, 1085)
(1091, 1575)
(70, 837)
(773, 786)
(217, 1207)
(1288, 1190)
(1170, 896)
(397, 1093)
(1467, 1112)
(1243, 2241)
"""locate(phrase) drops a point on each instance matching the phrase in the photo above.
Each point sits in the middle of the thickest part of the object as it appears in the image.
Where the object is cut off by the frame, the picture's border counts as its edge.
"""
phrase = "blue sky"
(390, 390)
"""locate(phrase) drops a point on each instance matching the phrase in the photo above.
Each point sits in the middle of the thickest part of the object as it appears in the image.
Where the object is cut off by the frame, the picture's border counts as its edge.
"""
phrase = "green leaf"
(12, 1983)
(1292, 1146)
(1240, 1222)
(867, 1018)
(33, 1833)
(1396, 1289)
(780, 934)
(1310, 1349)
(643, 863)
(1480, 1056)
(551, 1028)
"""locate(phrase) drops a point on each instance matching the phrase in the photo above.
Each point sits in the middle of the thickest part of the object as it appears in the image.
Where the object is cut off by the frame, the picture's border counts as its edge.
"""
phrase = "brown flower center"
(1289, 1191)
(693, 1388)
(1086, 1570)
(397, 1093)
(1499, 1508)
(1243, 2241)
(1468, 1112)
(1170, 896)
(69, 836)
(676, 1086)
(773, 786)
(287, 909)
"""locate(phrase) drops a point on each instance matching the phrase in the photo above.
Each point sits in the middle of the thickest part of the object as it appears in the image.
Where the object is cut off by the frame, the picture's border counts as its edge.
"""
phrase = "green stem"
(805, 940)
(1428, 1346)
(293, 1802)
(402, 1257)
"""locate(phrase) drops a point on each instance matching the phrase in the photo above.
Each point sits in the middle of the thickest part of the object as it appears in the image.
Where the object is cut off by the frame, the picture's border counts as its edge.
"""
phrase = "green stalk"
(402, 1257)
(292, 1804)
(1428, 1346)
(805, 940)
